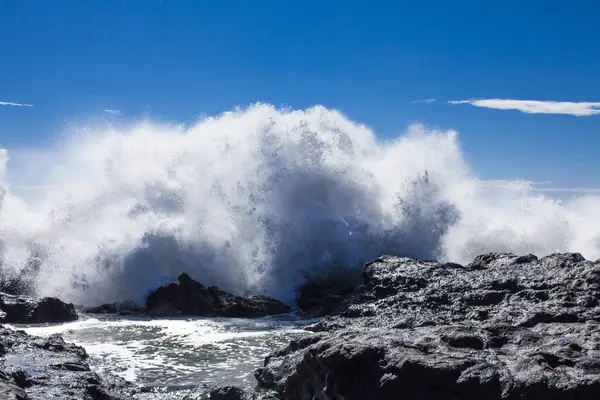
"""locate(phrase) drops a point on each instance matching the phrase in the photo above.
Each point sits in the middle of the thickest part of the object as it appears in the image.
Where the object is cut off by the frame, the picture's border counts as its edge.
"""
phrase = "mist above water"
(252, 199)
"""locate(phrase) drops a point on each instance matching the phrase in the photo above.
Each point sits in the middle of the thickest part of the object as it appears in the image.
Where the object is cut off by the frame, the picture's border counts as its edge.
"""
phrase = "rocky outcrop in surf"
(188, 297)
(191, 298)
(124, 308)
(21, 309)
(501, 327)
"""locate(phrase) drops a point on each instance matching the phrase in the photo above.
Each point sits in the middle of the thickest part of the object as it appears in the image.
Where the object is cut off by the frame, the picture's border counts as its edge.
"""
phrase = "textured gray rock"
(21, 309)
(502, 327)
(495, 288)
(35, 368)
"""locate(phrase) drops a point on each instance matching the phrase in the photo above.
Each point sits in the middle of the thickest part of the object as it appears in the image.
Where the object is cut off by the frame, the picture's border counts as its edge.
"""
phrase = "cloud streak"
(542, 187)
(578, 109)
(10, 103)
(580, 190)
(113, 112)
(428, 101)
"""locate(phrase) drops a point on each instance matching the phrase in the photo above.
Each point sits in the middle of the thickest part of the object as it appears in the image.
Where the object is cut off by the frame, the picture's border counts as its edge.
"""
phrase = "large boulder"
(21, 309)
(502, 327)
(191, 298)
(35, 368)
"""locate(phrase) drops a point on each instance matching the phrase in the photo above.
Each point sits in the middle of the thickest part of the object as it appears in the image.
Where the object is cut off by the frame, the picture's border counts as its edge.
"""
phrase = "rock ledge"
(502, 327)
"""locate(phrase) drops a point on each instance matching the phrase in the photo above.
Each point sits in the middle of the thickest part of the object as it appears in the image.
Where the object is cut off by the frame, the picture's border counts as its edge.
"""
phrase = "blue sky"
(177, 60)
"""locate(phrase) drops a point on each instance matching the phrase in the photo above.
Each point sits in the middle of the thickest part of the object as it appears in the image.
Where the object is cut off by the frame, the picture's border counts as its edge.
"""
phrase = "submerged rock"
(502, 327)
(191, 298)
(20, 309)
(33, 368)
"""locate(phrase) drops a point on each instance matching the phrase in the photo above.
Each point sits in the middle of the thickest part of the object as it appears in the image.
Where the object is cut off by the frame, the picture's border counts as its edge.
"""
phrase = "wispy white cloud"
(113, 112)
(508, 182)
(580, 190)
(10, 103)
(424, 101)
(578, 109)
(542, 186)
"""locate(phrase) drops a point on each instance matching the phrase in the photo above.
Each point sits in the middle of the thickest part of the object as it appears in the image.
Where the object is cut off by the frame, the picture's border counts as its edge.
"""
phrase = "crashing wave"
(252, 199)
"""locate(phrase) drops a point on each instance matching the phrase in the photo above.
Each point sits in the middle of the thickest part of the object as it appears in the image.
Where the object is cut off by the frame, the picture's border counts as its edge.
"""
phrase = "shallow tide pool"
(178, 352)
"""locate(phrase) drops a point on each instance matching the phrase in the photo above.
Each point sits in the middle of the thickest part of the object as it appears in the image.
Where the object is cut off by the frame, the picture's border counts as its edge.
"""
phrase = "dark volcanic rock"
(22, 309)
(35, 368)
(502, 327)
(327, 294)
(494, 288)
(123, 308)
(446, 362)
(192, 298)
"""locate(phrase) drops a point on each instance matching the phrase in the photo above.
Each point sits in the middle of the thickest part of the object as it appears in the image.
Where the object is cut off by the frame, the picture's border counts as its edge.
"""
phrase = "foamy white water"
(251, 199)
(178, 353)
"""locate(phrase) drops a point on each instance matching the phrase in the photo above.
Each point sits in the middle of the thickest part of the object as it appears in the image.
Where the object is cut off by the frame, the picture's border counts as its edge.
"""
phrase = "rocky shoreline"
(49, 368)
(501, 327)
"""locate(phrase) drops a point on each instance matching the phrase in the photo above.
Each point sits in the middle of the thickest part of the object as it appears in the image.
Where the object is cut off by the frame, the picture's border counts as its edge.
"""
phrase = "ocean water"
(170, 355)
(252, 199)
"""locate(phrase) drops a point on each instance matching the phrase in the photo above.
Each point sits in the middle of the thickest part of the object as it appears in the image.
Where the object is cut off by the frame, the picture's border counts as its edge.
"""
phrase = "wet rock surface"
(191, 298)
(34, 368)
(231, 393)
(21, 309)
(502, 327)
